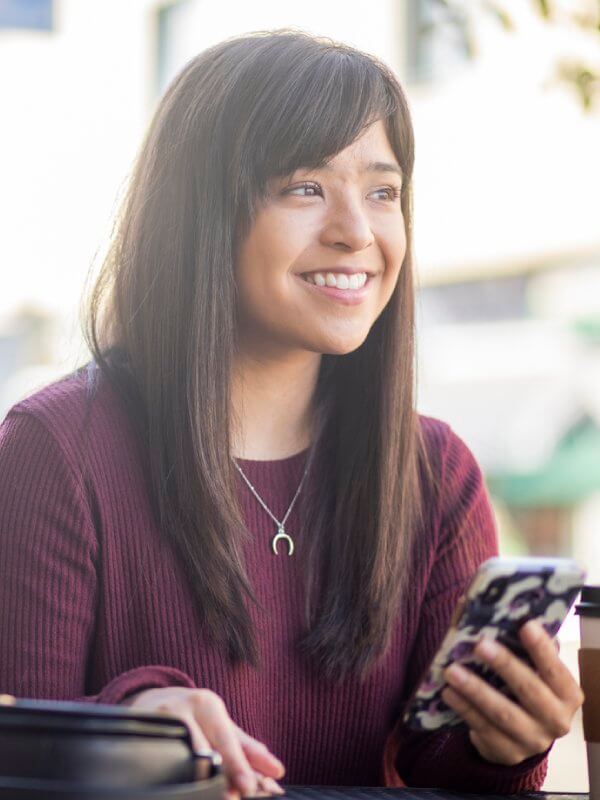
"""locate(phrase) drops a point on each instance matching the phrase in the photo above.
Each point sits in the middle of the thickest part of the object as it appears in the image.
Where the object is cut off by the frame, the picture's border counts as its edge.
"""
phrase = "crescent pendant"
(281, 534)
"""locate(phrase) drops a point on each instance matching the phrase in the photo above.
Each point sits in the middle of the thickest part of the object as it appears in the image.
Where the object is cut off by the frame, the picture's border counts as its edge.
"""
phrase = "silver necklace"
(281, 533)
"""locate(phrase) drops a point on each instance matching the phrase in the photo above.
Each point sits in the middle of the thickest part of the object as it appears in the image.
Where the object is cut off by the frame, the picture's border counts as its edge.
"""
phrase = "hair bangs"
(312, 109)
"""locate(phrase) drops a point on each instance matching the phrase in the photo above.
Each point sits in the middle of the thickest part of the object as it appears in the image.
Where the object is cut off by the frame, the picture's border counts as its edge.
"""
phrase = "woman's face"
(301, 270)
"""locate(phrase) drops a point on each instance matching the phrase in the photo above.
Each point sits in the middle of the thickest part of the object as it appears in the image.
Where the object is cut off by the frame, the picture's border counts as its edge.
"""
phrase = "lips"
(341, 280)
(340, 269)
(345, 296)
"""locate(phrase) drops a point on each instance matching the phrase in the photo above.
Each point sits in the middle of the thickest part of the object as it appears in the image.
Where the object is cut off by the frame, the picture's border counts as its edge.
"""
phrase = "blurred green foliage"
(580, 73)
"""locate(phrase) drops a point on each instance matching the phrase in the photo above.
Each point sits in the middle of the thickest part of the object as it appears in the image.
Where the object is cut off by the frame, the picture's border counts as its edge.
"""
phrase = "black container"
(56, 750)
(589, 603)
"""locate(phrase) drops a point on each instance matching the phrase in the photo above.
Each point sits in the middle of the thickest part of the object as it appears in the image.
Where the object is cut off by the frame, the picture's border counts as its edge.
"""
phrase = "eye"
(388, 192)
(312, 190)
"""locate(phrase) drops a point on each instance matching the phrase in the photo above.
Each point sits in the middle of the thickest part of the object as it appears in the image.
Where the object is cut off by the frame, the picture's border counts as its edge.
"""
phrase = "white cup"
(589, 668)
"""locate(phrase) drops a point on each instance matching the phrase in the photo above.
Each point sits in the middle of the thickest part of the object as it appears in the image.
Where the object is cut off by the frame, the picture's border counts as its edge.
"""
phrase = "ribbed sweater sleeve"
(48, 591)
(467, 537)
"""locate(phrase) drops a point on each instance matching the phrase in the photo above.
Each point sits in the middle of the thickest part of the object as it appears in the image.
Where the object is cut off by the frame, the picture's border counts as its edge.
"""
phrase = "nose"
(347, 227)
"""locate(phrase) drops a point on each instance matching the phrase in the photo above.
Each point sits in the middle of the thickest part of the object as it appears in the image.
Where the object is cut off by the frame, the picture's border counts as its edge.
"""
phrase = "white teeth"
(338, 281)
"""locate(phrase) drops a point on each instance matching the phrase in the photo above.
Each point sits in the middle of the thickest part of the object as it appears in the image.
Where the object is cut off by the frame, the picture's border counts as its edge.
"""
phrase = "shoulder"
(435, 434)
(449, 456)
(79, 408)
(65, 396)
(455, 483)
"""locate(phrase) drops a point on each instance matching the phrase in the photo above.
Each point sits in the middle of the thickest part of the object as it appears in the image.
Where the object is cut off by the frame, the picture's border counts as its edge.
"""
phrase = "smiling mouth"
(337, 280)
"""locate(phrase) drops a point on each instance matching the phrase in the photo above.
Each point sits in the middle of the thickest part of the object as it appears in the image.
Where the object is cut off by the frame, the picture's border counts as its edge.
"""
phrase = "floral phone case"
(504, 594)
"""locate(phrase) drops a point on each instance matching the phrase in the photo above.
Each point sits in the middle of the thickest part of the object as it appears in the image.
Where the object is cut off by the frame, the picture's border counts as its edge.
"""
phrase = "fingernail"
(273, 786)
(487, 648)
(279, 765)
(533, 630)
(447, 694)
(456, 675)
(247, 784)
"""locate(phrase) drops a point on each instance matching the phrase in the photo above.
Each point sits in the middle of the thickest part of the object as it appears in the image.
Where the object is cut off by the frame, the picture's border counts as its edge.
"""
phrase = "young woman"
(234, 513)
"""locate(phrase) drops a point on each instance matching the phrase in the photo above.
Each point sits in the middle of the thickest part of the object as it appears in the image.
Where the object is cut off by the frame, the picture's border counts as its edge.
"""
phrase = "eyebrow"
(376, 166)
(384, 166)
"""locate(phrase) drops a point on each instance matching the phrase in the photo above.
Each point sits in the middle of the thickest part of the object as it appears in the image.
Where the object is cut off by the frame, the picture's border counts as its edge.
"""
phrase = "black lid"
(589, 605)
(87, 718)
(181, 774)
(28, 789)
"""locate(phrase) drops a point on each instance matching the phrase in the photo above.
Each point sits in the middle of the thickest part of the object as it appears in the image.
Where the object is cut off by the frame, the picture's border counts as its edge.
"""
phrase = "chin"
(341, 346)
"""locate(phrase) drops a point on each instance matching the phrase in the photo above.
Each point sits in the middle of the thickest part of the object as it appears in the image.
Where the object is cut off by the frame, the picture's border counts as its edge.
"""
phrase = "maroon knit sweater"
(94, 606)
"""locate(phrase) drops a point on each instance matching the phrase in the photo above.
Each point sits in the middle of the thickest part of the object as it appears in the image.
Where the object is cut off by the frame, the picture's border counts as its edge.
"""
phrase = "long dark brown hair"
(162, 324)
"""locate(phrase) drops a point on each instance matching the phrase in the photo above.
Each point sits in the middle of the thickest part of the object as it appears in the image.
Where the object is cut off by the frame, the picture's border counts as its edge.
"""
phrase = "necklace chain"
(281, 534)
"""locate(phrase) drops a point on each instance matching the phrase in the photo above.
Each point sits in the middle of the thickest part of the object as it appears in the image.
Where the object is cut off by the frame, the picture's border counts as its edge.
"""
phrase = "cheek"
(275, 241)
(264, 261)
(393, 247)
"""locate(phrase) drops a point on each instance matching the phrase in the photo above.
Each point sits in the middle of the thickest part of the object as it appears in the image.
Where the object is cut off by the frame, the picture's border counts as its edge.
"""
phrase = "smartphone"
(504, 594)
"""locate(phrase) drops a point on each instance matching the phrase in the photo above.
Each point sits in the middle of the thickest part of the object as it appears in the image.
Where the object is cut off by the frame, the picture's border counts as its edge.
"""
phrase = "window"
(172, 18)
(437, 40)
(475, 301)
(26, 14)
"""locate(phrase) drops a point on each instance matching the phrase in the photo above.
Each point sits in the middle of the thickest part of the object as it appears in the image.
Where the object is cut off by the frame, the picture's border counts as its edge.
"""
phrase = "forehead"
(371, 151)
(373, 142)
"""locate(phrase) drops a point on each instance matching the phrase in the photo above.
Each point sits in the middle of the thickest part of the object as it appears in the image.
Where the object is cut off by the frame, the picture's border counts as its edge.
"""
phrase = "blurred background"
(505, 98)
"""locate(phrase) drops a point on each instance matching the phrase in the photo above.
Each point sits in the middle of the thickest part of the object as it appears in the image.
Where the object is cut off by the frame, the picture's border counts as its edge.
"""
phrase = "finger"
(474, 719)
(272, 786)
(218, 727)
(267, 786)
(182, 712)
(199, 740)
(486, 737)
(528, 687)
(261, 790)
(547, 662)
(499, 749)
(501, 712)
(259, 755)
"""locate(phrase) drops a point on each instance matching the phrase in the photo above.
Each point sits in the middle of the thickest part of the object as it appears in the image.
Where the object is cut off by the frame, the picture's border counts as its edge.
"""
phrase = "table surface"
(374, 793)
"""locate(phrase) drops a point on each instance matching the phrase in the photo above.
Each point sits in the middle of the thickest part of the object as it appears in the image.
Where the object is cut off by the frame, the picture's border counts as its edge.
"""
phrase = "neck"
(272, 404)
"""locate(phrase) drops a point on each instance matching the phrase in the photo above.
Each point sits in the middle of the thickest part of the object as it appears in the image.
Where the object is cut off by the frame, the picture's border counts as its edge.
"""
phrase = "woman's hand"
(502, 731)
(247, 763)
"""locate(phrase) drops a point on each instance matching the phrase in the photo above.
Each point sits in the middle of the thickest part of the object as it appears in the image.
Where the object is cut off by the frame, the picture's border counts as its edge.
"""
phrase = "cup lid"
(86, 718)
(31, 789)
(589, 605)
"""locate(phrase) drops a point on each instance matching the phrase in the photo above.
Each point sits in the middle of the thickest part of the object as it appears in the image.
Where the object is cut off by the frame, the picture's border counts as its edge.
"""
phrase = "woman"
(233, 513)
